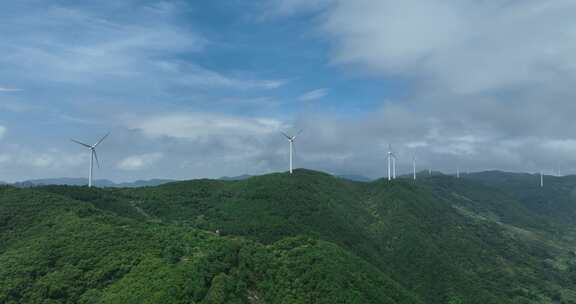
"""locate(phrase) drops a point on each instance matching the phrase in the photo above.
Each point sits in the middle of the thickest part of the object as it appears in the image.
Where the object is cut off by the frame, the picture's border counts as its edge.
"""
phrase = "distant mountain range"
(493, 175)
(105, 183)
(233, 178)
(83, 181)
(145, 183)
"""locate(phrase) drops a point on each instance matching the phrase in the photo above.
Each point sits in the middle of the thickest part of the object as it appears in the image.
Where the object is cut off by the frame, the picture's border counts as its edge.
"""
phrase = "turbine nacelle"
(291, 138)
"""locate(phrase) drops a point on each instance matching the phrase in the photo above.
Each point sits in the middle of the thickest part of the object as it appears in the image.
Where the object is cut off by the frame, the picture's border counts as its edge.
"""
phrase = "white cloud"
(4, 89)
(291, 7)
(452, 55)
(194, 75)
(139, 48)
(140, 161)
(314, 95)
(42, 160)
(559, 150)
(104, 50)
(465, 46)
(53, 159)
(198, 126)
(21, 162)
(489, 83)
(24, 158)
(4, 158)
(16, 106)
(416, 144)
(565, 145)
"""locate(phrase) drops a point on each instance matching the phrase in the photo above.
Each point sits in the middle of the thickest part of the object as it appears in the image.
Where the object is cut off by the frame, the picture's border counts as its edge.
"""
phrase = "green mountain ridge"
(309, 237)
(72, 252)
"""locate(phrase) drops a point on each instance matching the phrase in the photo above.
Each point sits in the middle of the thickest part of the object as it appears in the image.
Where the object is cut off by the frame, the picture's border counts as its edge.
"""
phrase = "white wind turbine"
(414, 167)
(542, 179)
(391, 163)
(394, 167)
(93, 155)
(291, 139)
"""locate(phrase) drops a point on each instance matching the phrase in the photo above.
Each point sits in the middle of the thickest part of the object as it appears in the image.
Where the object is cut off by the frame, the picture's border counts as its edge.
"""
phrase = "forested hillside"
(303, 238)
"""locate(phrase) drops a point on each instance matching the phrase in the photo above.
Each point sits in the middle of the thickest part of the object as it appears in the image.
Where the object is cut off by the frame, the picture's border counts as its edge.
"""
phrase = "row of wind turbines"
(392, 166)
(391, 158)
(94, 154)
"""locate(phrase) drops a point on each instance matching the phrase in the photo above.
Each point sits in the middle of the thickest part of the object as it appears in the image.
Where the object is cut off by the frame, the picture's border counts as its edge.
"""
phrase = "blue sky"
(202, 89)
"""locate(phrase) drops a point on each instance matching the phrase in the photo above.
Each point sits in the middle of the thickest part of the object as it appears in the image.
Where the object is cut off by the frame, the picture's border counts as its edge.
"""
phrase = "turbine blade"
(96, 157)
(81, 143)
(286, 135)
(300, 132)
(101, 139)
(294, 137)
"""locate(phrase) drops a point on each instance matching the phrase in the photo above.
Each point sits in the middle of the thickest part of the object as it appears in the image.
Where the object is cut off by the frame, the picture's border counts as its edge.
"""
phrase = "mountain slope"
(426, 236)
(58, 250)
(312, 237)
(556, 200)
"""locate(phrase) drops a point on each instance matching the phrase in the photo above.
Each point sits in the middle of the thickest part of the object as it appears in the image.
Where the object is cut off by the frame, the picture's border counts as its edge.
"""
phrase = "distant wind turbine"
(291, 139)
(414, 167)
(93, 155)
(391, 163)
(394, 167)
(457, 172)
(541, 179)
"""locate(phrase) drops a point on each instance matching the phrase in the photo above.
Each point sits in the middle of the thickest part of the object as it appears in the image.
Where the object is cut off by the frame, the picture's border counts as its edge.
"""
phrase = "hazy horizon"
(399, 175)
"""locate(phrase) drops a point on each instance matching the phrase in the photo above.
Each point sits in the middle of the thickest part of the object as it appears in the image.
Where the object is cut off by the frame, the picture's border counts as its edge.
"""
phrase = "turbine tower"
(394, 167)
(291, 140)
(541, 179)
(391, 163)
(457, 172)
(93, 155)
(414, 167)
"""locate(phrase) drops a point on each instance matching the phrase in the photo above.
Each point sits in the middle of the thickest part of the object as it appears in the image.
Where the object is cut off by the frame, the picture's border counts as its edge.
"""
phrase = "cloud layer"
(490, 80)
(464, 46)
(314, 95)
(484, 85)
(137, 162)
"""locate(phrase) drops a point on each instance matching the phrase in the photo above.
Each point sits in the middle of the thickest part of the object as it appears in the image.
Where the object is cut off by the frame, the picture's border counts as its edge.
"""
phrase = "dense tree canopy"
(302, 238)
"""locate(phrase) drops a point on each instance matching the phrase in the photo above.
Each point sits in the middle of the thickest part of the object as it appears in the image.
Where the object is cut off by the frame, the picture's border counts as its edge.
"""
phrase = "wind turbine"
(394, 167)
(291, 140)
(457, 172)
(93, 155)
(541, 179)
(391, 163)
(414, 167)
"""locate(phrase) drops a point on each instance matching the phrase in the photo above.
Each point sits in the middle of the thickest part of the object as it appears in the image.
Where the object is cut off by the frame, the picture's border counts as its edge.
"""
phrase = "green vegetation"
(306, 238)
